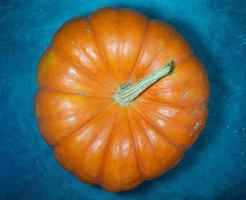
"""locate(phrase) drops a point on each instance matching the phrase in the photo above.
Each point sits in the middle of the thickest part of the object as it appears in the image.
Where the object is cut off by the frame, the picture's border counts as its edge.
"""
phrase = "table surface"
(214, 168)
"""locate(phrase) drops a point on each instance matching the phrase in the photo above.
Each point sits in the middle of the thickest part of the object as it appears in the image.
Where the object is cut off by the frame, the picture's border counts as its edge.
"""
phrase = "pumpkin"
(121, 98)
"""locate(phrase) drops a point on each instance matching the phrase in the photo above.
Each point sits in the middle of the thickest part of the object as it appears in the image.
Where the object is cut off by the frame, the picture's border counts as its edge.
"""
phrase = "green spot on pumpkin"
(193, 112)
(50, 57)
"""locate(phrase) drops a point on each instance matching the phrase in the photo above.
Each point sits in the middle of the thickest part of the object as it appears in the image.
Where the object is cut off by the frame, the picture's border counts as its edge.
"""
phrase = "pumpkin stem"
(126, 93)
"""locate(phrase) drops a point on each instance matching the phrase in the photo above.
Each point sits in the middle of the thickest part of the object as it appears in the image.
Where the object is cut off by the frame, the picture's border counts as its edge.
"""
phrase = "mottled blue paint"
(214, 168)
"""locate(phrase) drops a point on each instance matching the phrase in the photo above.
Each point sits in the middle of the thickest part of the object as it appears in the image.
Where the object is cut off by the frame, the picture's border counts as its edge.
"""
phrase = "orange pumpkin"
(121, 98)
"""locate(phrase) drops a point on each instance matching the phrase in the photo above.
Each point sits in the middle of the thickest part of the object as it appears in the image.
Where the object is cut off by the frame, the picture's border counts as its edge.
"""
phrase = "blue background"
(214, 168)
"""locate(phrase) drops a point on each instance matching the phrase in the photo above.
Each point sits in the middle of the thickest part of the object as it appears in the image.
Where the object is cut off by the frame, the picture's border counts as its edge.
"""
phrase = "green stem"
(126, 93)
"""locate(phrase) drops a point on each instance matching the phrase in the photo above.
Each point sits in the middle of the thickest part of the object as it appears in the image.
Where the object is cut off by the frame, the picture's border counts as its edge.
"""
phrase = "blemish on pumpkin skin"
(88, 30)
(193, 113)
(186, 94)
(83, 93)
(197, 125)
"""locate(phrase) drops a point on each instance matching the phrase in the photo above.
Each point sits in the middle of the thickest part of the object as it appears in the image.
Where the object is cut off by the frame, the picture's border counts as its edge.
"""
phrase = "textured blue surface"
(214, 168)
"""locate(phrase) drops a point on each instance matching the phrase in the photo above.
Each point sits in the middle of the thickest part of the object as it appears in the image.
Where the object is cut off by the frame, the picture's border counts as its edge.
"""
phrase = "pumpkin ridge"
(134, 144)
(88, 121)
(146, 118)
(68, 93)
(107, 112)
(173, 123)
(176, 62)
(140, 53)
(189, 83)
(106, 149)
(47, 89)
(54, 73)
(97, 179)
(155, 100)
(64, 57)
(147, 101)
(150, 121)
(168, 104)
(151, 145)
(120, 178)
(101, 50)
(162, 161)
(167, 47)
(119, 40)
(152, 60)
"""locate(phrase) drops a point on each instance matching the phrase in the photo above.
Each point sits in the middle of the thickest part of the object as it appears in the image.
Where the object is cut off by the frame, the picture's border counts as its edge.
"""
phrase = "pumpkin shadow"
(216, 110)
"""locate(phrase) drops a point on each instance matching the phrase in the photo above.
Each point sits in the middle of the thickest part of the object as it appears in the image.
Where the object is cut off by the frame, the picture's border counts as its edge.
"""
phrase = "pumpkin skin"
(93, 136)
